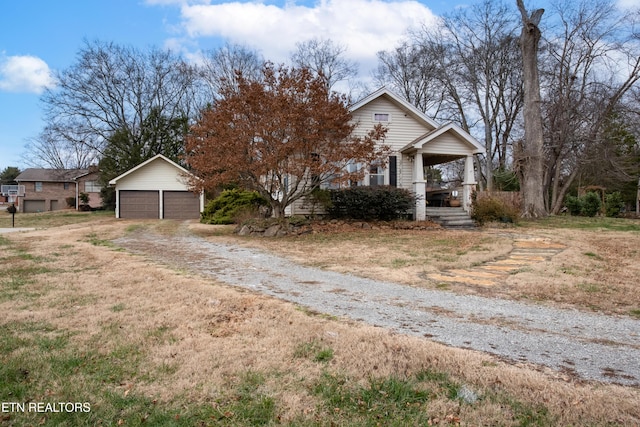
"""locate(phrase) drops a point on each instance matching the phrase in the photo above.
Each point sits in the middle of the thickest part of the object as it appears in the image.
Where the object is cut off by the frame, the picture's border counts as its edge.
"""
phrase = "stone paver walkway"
(526, 251)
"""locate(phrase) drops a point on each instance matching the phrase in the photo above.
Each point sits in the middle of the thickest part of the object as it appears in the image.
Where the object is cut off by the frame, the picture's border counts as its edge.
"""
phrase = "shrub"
(574, 205)
(587, 205)
(493, 209)
(231, 206)
(613, 204)
(370, 203)
(71, 202)
(591, 204)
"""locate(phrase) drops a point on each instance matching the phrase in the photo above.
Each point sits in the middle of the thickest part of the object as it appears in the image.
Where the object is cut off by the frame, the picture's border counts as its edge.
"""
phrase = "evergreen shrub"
(231, 206)
(613, 204)
(370, 203)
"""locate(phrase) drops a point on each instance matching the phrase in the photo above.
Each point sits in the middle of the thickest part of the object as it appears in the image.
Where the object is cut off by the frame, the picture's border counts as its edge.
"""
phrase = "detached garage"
(157, 188)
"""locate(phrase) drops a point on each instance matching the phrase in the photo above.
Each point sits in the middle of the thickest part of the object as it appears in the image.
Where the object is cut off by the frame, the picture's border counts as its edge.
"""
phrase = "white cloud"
(24, 74)
(363, 26)
(628, 4)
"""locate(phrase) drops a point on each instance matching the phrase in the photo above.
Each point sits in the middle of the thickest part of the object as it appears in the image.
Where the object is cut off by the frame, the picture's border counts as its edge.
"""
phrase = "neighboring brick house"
(49, 189)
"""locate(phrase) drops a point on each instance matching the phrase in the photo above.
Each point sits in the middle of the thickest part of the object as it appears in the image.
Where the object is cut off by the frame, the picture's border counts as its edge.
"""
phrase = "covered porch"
(443, 145)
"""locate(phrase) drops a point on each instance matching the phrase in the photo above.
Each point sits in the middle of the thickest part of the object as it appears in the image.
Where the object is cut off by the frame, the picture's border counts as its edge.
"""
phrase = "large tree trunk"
(533, 153)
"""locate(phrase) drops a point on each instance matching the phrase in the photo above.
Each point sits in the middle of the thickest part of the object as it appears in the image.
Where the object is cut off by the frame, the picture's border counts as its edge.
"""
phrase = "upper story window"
(38, 186)
(92, 187)
(381, 117)
(65, 185)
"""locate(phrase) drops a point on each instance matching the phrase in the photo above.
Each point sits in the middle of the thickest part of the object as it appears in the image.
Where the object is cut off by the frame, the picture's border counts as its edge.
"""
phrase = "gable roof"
(160, 157)
(398, 101)
(51, 175)
(476, 147)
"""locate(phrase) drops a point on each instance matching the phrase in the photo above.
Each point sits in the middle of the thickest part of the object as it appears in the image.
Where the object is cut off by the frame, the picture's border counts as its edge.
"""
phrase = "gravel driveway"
(581, 345)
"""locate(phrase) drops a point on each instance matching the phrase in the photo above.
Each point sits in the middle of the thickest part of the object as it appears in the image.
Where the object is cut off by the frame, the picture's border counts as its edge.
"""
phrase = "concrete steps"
(450, 217)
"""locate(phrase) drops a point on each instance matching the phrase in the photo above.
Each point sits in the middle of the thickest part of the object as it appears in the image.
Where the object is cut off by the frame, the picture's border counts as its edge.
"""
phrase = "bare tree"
(589, 67)
(50, 150)
(474, 57)
(113, 88)
(326, 59)
(220, 68)
(532, 153)
(410, 71)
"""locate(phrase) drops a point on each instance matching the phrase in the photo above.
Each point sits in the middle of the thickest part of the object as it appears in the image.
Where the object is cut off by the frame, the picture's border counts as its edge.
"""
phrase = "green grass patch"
(96, 241)
(313, 350)
(593, 255)
(118, 308)
(399, 263)
(635, 312)
(246, 404)
(53, 219)
(396, 401)
(584, 223)
(589, 287)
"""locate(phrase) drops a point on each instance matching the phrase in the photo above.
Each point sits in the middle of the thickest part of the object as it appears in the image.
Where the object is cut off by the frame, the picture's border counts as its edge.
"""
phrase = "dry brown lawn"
(195, 339)
(597, 271)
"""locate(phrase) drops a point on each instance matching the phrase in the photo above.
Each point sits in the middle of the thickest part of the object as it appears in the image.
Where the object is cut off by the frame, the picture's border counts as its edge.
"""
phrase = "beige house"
(156, 188)
(416, 141)
(48, 189)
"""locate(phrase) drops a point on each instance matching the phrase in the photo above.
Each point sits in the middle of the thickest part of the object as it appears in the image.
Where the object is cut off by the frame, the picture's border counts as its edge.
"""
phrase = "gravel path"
(582, 345)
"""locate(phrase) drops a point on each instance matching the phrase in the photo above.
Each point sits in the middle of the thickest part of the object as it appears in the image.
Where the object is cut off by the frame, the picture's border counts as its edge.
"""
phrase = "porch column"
(419, 187)
(469, 183)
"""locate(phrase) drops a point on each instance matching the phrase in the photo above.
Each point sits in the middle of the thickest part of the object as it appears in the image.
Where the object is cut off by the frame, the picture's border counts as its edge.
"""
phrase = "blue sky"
(39, 37)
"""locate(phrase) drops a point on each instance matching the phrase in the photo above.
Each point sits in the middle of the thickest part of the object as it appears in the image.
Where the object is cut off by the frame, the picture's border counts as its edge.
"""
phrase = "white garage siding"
(157, 188)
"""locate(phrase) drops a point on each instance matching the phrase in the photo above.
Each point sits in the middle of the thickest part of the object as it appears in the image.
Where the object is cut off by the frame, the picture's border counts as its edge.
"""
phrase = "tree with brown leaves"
(282, 136)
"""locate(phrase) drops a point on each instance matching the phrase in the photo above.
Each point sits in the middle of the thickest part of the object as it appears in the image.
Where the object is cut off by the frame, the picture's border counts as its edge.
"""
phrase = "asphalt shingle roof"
(51, 175)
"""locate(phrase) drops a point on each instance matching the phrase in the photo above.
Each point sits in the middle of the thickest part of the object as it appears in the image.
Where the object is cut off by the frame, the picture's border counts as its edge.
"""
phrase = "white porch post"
(419, 187)
(469, 183)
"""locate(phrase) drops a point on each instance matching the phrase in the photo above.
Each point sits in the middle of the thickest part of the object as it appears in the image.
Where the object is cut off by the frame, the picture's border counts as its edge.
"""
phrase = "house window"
(92, 187)
(354, 168)
(65, 185)
(376, 175)
(381, 117)
(38, 186)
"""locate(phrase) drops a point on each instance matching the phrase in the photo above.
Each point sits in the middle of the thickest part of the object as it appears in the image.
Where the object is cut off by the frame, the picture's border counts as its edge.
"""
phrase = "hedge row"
(368, 203)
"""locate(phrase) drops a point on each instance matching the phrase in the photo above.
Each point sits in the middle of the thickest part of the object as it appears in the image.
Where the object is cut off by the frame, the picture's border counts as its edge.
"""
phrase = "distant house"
(416, 141)
(48, 189)
(157, 188)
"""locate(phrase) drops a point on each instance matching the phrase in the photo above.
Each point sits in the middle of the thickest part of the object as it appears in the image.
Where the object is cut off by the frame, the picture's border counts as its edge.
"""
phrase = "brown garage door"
(181, 205)
(34, 206)
(139, 204)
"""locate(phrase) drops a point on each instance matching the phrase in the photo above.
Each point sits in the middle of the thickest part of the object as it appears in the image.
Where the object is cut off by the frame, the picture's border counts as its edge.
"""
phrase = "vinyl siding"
(402, 129)
(154, 176)
(447, 143)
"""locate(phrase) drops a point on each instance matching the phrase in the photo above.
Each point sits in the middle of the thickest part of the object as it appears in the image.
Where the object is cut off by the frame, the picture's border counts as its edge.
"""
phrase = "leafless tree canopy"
(220, 67)
(114, 89)
(578, 67)
(326, 59)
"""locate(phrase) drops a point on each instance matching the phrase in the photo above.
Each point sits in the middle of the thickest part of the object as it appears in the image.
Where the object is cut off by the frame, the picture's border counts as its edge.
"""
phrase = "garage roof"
(115, 180)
